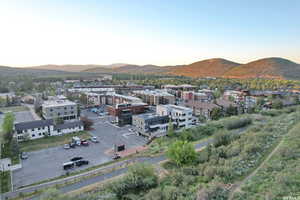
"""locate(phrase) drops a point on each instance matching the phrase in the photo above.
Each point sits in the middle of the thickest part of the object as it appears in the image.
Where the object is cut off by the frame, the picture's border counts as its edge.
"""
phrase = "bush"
(237, 123)
(222, 138)
(140, 177)
(182, 153)
(271, 113)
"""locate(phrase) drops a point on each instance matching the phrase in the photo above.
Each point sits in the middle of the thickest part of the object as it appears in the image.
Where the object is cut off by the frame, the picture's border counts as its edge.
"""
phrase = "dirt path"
(237, 187)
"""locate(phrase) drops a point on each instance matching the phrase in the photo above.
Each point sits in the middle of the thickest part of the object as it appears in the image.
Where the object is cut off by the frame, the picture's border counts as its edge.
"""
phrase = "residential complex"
(155, 97)
(41, 128)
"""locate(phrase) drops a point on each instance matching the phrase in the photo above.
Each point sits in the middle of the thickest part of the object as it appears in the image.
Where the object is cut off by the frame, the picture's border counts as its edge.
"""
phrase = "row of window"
(65, 108)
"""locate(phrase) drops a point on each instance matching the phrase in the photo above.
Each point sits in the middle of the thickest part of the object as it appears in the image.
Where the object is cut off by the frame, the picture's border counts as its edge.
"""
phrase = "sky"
(160, 32)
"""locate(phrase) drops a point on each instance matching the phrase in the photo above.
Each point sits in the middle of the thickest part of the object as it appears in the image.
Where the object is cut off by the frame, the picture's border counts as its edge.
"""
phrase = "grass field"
(52, 141)
(13, 109)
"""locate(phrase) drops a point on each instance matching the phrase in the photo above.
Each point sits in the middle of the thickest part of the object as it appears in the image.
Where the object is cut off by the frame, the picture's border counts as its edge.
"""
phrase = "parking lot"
(48, 163)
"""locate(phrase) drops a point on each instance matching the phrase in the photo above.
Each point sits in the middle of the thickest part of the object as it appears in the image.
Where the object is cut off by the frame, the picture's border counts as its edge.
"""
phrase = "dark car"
(81, 162)
(24, 155)
(84, 143)
(76, 158)
(116, 156)
(68, 165)
(1, 113)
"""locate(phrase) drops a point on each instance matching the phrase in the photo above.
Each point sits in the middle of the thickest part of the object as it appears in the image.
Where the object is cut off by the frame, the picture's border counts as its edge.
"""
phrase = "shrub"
(140, 177)
(182, 153)
(237, 123)
(222, 138)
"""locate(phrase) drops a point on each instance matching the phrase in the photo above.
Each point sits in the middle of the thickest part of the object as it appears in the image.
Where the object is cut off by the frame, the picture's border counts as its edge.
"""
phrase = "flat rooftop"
(153, 92)
(177, 107)
(56, 103)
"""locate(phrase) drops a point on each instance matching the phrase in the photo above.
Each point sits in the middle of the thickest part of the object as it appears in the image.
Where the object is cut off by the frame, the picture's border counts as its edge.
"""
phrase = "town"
(149, 100)
(87, 123)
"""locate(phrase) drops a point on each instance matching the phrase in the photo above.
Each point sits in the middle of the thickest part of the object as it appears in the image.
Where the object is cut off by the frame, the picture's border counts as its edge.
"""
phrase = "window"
(32, 135)
(39, 128)
(40, 134)
(32, 129)
(51, 110)
(65, 108)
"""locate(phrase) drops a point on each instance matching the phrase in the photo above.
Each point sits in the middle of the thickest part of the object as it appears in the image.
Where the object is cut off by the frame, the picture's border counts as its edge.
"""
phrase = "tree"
(7, 126)
(87, 123)
(170, 132)
(216, 113)
(182, 153)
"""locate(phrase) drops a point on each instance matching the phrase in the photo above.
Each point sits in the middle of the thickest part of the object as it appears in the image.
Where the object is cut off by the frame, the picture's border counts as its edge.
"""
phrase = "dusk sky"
(161, 32)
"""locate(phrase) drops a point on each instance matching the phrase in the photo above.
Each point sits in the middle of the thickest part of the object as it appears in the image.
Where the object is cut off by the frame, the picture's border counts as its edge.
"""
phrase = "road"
(102, 177)
(98, 178)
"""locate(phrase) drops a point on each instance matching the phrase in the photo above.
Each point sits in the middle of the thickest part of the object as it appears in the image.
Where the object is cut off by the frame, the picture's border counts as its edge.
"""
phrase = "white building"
(41, 128)
(181, 116)
(60, 108)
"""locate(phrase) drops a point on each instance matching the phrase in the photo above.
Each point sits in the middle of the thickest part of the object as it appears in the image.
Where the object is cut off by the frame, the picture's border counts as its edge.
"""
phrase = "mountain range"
(274, 68)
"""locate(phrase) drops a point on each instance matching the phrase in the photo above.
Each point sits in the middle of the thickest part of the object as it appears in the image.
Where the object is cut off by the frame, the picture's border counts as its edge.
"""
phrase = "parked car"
(81, 162)
(68, 165)
(24, 155)
(1, 113)
(94, 139)
(84, 143)
(116, 156)
(66, 146)
(77, 158)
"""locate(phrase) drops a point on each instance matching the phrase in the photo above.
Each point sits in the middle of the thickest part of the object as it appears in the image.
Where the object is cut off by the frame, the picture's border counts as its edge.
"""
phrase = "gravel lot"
(47, 163)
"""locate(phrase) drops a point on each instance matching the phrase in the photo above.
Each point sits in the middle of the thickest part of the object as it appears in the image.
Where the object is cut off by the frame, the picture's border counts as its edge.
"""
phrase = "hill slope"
(14, 71)
(277, 68)
(77, 68)
(133, 69)
(215, 67)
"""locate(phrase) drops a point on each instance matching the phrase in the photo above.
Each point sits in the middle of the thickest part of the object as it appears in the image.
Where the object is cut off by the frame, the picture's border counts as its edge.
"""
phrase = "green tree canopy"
(182, 153)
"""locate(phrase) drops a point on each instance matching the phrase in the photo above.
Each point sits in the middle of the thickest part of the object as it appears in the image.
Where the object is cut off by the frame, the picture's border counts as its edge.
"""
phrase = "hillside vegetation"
(206, 68)
(270, 68)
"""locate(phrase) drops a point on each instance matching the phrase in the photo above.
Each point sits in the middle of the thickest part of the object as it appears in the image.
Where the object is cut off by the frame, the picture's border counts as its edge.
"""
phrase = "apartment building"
(180, 116)
(155, 97)
(59, 108)
(201, 108)
(41, 128)
(124, 111)
(151, 125)
(196, 96)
